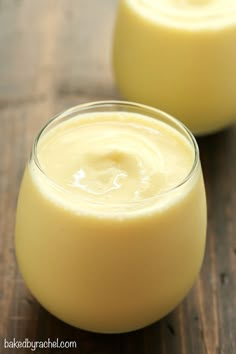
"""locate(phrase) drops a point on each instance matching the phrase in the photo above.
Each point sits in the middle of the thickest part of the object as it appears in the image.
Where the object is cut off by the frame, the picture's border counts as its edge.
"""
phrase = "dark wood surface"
(55, 54)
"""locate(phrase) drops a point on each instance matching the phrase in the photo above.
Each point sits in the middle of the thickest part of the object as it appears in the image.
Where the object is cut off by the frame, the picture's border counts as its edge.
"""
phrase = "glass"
(179, 56)
(102, 270)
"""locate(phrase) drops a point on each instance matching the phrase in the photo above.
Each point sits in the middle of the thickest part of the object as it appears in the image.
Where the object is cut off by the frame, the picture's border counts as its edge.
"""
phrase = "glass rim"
(148, 111)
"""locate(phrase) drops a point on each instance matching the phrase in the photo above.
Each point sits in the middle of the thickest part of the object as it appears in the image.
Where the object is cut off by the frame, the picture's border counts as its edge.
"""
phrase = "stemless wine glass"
(179, 56)
(108, 266)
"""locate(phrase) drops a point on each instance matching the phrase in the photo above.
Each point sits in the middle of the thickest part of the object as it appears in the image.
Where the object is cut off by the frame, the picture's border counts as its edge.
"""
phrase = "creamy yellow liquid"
(104, 240)
(112, 159)
(179, 55)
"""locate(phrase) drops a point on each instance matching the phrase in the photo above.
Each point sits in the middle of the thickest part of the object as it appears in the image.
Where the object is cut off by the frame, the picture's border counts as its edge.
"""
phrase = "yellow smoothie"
(111, 219)
(179, 56)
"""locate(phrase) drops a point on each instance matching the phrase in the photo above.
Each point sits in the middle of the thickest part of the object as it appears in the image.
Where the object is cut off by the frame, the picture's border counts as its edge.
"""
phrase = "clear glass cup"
(102, 271)
(179, 56)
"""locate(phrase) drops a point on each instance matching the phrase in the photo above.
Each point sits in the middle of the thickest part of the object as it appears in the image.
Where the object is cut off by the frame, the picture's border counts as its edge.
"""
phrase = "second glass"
(179, 56)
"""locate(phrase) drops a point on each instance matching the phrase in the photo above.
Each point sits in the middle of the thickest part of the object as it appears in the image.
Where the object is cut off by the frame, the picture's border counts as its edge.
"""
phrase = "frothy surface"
(191, 13)
(113, 158)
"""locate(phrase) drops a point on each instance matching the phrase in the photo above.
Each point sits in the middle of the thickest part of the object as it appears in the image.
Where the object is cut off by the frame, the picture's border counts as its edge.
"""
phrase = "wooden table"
(56, 54)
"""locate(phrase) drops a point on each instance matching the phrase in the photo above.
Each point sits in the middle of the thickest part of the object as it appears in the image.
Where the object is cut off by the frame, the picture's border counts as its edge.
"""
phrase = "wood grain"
(55, 54)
